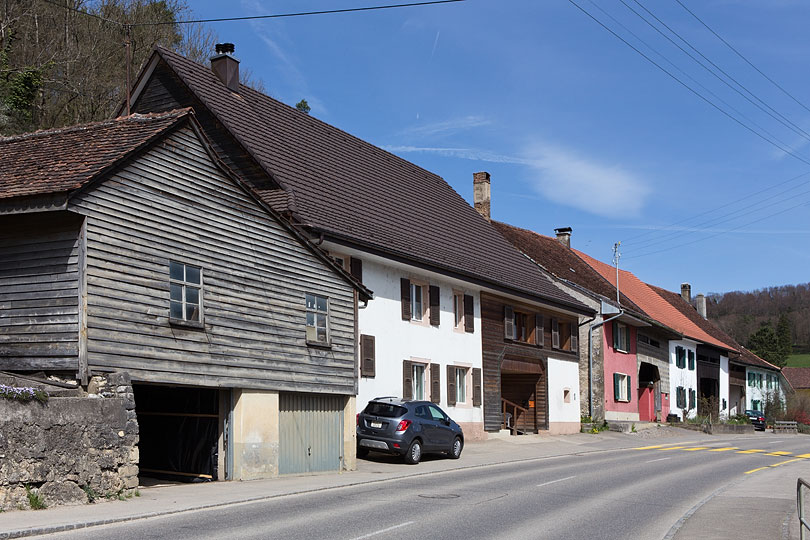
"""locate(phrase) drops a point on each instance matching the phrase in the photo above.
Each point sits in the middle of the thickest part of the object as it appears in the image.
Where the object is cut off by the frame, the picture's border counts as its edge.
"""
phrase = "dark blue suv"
(407, 428)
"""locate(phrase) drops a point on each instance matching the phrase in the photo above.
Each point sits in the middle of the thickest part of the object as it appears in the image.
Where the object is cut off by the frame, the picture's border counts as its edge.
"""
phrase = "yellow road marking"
(672, 448)
(783, 462)
(695, 448)
(723, 449)
(755, 470)
(780, 453)
(804, 456)
(648, 447)
(749, 451)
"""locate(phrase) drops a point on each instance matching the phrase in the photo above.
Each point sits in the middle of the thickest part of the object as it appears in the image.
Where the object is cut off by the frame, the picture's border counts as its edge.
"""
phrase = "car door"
(427, 426)
(444, 433)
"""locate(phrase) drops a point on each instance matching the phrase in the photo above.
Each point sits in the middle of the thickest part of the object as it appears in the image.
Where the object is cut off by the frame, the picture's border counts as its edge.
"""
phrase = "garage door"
(310, 433)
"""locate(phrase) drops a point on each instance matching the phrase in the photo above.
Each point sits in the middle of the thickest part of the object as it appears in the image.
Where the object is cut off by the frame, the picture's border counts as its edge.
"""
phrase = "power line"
(698, 94)
(257, 17)
(738, 53)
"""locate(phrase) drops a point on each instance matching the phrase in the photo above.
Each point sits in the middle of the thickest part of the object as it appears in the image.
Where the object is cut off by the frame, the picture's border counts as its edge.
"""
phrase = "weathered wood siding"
(39, 291)
(172, 203)
(657, 356)
(516, 358)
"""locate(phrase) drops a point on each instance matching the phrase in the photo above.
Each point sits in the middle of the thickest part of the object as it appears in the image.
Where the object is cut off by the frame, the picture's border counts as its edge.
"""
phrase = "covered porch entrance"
(523, 396)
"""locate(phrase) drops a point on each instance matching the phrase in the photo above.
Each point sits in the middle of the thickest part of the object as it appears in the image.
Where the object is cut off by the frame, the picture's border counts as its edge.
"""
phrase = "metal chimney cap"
(224, 48)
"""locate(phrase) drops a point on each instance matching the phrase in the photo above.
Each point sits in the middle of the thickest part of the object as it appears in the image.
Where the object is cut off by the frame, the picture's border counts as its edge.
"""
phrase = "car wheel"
(414, 453)
(362, 452)
(458, 446)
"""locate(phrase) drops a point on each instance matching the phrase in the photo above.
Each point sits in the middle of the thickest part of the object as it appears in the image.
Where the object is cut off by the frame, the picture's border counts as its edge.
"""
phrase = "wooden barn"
(128, 245)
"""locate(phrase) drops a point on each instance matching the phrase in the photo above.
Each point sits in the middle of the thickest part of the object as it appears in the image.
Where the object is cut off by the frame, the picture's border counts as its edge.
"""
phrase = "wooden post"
(84, 370)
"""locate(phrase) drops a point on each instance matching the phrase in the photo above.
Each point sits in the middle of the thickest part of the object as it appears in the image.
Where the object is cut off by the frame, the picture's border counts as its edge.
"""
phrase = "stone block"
(62, 493)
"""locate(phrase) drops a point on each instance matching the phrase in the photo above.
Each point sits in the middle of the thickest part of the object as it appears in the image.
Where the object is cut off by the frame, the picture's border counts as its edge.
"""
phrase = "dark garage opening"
(179, 429)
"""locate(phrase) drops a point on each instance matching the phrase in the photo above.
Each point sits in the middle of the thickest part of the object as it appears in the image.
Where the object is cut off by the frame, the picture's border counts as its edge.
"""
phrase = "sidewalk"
(170, 499)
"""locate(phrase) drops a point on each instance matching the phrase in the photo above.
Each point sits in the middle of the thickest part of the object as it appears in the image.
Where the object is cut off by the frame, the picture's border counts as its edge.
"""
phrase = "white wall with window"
(683, 377)
(563, 396)
(427, 349)
(760, 385)
(725, 404)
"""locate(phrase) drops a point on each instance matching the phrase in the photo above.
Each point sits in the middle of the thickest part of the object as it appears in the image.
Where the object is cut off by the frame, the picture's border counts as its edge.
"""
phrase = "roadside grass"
(798, 360)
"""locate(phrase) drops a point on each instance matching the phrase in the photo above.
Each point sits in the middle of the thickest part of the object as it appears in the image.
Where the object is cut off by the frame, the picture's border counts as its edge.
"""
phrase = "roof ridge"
(137, 117)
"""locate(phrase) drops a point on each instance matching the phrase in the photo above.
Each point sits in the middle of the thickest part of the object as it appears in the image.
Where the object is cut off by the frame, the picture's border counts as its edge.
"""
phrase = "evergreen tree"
(783, 337)
(764, 344)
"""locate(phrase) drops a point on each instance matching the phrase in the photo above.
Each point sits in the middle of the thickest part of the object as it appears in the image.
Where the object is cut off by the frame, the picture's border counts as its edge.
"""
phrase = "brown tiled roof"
(62, 160)
(356, 192)
(748, 357)
(560, 261)
(798, 377)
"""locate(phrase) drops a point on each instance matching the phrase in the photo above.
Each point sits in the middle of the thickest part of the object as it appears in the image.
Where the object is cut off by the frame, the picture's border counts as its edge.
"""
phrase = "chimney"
(686, 292)
(225, 66)
(700, 300)
(564, 236)
(481, 193)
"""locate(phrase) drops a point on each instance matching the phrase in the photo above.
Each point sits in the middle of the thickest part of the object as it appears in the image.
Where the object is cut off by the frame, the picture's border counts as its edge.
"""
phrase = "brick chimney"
(686, 292)
(481, 193)
(700, 300)
(225, 66)
(564, 236)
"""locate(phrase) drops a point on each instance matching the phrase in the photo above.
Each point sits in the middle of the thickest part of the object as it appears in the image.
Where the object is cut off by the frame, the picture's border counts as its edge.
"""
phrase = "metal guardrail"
(804, 524)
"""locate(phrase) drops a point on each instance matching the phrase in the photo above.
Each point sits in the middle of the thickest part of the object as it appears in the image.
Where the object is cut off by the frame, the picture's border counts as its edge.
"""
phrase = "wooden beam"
(84, 370)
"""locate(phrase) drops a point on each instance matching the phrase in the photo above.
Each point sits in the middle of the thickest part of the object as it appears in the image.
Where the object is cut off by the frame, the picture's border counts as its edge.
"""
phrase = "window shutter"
(539, 330)
(356, 269)
(435, 311)
(627, 332)
(574, 337)
(469, 314)
(629, 388)
(407, 379)
(451, 386)
(691, 360)
(508, 322)
(405, 295)
(477, 387)
(435, 384)
(615, 328)
(616, 390)
(368, 363)
(692, 398)
(678, 351)
(555, 333)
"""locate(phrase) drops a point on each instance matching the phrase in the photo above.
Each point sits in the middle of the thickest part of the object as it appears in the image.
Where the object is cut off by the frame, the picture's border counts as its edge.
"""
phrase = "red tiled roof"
(798, 377)
(748, 357)
(560, 261)
(686, 309)
(356, 192)
(654, 304)
(62, 160)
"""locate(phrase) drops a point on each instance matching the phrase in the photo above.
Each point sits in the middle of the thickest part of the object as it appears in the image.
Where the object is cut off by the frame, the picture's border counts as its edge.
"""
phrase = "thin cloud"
(435, 44)
(446, 127)
(563, 177)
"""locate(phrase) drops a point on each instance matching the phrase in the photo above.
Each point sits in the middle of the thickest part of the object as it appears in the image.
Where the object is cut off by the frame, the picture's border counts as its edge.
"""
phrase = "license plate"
(376, 424)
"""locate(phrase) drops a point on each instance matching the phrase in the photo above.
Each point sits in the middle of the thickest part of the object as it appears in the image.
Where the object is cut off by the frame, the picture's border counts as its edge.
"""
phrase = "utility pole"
(616, 256)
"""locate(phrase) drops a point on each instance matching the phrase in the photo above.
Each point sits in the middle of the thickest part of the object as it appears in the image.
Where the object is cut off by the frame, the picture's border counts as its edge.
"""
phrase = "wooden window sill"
(187, 324)
(319, 345)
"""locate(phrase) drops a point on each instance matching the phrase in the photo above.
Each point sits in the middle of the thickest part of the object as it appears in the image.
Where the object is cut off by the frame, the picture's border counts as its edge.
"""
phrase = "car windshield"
(386, 410)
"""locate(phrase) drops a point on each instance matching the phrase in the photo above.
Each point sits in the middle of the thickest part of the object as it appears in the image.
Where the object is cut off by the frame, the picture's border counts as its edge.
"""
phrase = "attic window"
(186, 293)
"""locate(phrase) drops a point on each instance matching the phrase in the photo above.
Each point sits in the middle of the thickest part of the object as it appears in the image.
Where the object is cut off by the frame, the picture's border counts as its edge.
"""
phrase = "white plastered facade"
(563, 396)
(683, 377)
(759, 393)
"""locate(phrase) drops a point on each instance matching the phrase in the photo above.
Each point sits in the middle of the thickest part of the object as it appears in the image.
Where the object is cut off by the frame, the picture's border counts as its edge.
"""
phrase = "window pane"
(176, 292)
(176, 310)
(192, 274)
(311, 320)
(418, 381)
(320, 320)
(461, 385)
(311, 333)
(416, 302)
(176, 271)
(192, 312)
(310, 301)
(321, 303)
(193, 296)
(321, 335)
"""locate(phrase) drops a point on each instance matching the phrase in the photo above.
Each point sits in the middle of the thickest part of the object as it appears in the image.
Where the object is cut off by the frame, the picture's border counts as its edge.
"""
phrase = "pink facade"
(625, 363)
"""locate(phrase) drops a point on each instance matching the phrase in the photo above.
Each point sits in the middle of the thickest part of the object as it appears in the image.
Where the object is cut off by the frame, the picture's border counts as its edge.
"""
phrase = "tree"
(783, 338)
(59, 66)
(303, 106)
(764, 344)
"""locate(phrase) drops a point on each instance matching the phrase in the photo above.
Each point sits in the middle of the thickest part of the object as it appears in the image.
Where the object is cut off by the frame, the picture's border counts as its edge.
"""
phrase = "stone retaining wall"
(70, 447)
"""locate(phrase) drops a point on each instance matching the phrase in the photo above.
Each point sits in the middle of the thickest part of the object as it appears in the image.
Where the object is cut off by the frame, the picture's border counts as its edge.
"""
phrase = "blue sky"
(575, 127)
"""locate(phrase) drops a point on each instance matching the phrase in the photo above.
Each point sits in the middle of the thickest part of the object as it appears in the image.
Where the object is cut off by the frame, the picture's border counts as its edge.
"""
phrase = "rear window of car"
(386, 410)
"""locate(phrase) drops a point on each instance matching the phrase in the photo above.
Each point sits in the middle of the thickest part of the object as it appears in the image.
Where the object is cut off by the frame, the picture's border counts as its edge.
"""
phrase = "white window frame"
(418, 374)
(458, 310)
(461, 387)
(623, 397)
(624, 332)
(418, 298)
(317, 313)
(185, 285)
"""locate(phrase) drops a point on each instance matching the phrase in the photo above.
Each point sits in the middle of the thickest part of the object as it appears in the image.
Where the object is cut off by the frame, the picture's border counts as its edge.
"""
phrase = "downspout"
(590, 358)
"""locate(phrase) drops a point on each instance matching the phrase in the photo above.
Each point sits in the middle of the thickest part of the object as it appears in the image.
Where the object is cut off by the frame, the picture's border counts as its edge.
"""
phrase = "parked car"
(407, 428)
(757, 418)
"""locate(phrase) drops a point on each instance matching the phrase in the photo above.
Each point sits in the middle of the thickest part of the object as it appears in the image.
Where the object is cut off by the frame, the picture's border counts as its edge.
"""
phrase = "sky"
(702, 172)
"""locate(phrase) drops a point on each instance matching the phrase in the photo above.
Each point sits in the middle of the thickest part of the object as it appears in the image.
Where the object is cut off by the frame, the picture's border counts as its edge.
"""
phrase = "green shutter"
(616, 392)
(629, 388)
(615, 327)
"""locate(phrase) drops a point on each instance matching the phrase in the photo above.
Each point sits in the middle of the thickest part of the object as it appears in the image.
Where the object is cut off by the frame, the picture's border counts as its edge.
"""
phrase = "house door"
(646, 404)
(310, 433)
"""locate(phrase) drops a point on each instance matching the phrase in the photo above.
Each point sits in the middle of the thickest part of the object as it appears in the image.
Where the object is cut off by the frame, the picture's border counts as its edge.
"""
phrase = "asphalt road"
(637, 493)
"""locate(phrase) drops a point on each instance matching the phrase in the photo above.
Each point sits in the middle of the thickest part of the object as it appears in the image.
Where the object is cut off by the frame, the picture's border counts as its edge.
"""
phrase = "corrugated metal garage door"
(310, 433)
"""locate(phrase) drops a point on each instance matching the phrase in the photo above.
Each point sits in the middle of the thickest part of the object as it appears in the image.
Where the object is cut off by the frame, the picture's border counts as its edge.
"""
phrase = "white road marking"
(555, 481)
(369, 535)
(775, 442)
(654, 460)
